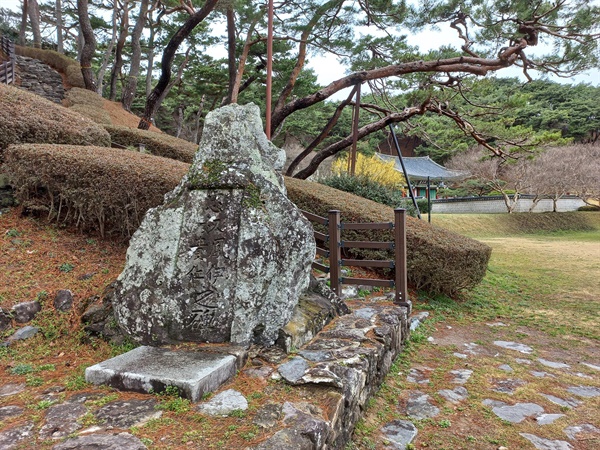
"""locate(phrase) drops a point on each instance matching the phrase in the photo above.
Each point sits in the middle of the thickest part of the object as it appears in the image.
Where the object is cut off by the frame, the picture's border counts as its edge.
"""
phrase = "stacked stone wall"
(40, 78)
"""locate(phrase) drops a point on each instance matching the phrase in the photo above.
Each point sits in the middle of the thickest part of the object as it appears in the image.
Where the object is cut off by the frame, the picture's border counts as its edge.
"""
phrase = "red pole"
(355, 132)
(269, 68)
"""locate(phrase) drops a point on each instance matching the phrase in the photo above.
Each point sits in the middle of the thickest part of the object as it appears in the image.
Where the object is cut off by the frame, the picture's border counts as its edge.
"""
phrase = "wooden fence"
(7, 68)
(332, 245)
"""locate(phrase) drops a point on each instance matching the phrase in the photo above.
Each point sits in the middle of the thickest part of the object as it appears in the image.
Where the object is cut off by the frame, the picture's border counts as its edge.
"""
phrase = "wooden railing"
(330, 246)
(7, 65)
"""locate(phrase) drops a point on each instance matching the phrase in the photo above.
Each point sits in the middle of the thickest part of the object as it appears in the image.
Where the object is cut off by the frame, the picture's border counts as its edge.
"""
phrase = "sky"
(329, 69)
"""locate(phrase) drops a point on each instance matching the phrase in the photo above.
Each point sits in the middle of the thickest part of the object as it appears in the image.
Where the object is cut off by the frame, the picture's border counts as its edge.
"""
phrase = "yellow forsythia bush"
(373, 168)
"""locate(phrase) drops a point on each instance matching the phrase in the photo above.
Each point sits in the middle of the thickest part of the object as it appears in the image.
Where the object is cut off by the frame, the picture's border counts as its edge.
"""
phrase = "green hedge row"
(110, 190)
(438, 260)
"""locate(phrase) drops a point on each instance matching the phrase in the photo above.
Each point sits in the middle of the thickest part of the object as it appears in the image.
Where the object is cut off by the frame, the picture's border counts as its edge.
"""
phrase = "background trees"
(554, 173)
(445, 96)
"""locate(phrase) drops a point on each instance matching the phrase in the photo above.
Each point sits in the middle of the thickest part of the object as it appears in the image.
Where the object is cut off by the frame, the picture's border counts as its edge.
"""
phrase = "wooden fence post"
(400, 258)
(335, 253)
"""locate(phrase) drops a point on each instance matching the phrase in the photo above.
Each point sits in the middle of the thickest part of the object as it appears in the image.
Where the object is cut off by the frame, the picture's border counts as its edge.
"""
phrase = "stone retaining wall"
(348, 361)
(496, 205)
(39, 78)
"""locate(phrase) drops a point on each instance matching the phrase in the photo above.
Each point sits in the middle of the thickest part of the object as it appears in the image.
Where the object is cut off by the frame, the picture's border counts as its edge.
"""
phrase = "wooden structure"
(7, 60)
(425, 174)
(332, 245)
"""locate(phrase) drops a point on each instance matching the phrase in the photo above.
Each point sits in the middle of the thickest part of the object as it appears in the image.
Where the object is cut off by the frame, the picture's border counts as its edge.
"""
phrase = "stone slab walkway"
(483, 386)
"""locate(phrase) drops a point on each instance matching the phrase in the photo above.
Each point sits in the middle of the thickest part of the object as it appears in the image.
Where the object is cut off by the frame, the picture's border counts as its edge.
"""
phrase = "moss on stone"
(252, 197)
(210, 175)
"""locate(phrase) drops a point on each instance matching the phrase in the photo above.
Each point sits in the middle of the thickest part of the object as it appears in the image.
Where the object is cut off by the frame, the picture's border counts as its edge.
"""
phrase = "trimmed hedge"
(59, 62)
(438, 260)
(158, 144)
(88, 104)
(29, 118)
(110, 190)
(99, 188)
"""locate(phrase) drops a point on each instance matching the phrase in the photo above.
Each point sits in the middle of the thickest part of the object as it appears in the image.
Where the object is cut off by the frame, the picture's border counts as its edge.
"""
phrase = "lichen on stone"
(211, 175)
(227, 256)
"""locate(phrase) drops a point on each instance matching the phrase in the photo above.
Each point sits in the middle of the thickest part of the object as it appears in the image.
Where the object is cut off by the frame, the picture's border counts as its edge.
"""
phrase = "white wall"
(495, 205)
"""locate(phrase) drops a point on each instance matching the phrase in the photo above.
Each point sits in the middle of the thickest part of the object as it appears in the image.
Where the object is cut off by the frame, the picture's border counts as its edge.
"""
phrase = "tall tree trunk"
(230, 53)
(23, 28)
(235, 88)
(34, 19)
(150, 53)
(116, 69)
(109, 49)
(89, 46)
(175, 80)
(59, 27)
(136, 57)
(178, 113)
(534, 203)
(167, 60)
(301, 58)
(321, 137)
(80, 43)
(198, 118)
(511, 204)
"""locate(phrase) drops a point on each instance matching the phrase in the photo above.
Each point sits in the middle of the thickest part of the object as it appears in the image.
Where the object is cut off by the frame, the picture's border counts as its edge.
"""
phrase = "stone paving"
(344, 365)
(534, 390)
(506, 396)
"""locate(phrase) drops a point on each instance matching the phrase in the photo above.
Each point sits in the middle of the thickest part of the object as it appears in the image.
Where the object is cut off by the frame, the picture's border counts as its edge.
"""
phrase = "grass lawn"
(545, 287)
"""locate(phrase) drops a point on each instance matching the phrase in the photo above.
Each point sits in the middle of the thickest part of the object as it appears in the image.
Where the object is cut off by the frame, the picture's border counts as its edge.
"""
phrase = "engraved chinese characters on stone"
(209, 271)
(227, 255)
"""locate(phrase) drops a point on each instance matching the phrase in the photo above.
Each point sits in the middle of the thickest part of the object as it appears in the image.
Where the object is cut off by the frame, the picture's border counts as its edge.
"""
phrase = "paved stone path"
(534, 391)
(506, 396)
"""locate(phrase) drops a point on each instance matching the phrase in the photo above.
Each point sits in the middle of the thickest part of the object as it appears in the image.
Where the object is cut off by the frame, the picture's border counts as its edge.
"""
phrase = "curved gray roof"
(421, 167)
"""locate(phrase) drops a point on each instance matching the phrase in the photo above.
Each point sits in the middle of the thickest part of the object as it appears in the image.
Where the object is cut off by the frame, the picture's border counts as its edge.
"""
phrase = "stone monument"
(227, 255)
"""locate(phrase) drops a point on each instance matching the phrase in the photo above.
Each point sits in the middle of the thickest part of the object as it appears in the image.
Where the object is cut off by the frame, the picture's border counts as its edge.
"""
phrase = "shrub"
(589, 208)
(407, 204)
(372, 168)
(29, 118)
(158, 144)
(98, 188)
(88, 104)
(59, 62)
(364, 186)
(438, 261)
(373, 190)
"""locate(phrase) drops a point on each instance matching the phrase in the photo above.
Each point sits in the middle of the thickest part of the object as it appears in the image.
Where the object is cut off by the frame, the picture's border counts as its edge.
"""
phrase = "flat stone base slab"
(151, 369)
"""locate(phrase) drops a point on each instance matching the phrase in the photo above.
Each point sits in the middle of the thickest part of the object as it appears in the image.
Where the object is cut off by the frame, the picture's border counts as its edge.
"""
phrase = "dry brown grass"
(100, 110)
(158, 144)
(88, 104)
(121, 117)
